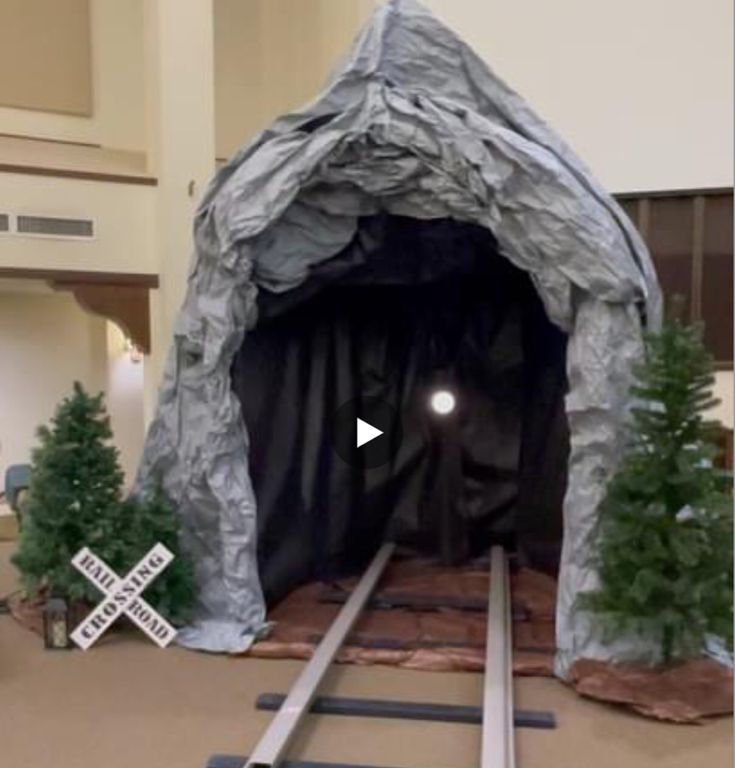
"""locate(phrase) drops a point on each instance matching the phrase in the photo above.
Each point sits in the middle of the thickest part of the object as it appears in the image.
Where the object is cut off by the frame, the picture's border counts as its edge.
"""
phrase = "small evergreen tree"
(73, 497)
(665, 548)
(151, 520)
(74, 500)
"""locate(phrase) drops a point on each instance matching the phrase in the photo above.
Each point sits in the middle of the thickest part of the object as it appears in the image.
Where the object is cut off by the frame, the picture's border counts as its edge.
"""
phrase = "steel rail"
(272, 745)
(498, 742)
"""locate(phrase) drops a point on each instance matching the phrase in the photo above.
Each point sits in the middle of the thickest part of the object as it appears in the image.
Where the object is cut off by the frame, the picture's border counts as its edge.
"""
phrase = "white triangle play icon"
(366, 432)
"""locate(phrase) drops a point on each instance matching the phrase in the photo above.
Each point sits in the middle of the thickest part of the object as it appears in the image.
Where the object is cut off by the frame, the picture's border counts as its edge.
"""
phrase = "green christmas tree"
(73, 498)
(152, 521)
(665, 548)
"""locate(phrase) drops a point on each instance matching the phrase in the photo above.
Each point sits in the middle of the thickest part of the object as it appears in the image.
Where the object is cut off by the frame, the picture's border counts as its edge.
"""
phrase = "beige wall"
(118, 86)
(46, 55)
(643, 91)
(180, 74)
(240, 92)
(124, 396)
(119, 73)
(124, 232)
(273, 56)
(46, 343)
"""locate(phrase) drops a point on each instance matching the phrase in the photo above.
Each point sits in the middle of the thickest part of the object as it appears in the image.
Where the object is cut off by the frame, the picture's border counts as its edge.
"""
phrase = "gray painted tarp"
(413, 123)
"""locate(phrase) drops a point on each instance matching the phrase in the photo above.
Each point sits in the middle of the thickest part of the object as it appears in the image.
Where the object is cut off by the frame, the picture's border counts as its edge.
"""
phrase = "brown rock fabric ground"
(689, 692)
(447, 639)
(28, 613)
(451, 640)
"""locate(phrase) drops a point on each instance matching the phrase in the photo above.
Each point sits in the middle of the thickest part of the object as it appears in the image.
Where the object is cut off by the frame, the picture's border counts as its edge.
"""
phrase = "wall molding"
(122, 298)
(67, 173)
(125, 305)
(142, 280)
(673, 193)
(47, 140)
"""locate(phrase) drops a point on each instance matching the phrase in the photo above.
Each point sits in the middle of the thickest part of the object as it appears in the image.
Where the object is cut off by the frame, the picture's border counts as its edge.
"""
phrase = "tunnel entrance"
(407, 306)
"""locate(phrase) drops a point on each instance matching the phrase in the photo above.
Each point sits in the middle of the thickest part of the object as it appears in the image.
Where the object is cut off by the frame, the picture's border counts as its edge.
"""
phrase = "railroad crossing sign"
(122, 596)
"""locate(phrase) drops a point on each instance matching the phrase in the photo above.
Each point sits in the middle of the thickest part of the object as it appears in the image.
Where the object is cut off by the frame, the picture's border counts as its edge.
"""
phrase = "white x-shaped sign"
(123, 596)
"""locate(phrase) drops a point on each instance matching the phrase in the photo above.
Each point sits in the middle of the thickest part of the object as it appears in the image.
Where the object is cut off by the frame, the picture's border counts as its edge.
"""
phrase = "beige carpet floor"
(8, 525)
(126, 704)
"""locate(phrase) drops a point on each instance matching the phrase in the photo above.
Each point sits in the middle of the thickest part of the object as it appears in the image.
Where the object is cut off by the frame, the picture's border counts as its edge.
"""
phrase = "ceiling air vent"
(48, 226)
(4, 222)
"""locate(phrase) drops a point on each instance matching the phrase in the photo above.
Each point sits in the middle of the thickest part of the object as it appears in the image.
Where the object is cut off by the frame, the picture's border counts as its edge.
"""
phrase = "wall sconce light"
(135, 353)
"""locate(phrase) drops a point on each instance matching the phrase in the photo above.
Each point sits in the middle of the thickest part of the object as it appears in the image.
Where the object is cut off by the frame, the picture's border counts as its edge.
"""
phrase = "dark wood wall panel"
(671, 223)
(717, 276)
(717, 306)
(690, 237)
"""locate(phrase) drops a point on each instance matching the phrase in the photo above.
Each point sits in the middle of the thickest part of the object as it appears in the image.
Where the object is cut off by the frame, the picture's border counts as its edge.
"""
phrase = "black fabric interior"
(407, 302)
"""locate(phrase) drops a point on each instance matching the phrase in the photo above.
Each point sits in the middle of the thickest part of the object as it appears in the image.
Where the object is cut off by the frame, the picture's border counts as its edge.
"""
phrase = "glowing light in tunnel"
(442, 402)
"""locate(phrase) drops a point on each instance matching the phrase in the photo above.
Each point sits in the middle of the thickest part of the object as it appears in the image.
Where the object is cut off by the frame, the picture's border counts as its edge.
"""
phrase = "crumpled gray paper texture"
(412, 123)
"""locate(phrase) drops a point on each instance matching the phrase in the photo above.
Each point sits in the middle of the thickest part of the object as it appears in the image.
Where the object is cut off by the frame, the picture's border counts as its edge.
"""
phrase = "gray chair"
(17, 478)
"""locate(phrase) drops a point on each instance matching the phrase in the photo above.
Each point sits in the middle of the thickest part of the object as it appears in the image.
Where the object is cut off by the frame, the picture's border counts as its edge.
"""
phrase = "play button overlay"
(366, 432)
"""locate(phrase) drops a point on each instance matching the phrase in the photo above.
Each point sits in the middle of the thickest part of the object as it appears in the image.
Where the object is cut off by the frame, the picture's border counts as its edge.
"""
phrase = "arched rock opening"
(406, 301)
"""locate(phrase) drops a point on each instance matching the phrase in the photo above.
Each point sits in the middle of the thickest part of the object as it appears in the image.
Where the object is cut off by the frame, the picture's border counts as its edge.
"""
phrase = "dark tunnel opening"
(407, 305)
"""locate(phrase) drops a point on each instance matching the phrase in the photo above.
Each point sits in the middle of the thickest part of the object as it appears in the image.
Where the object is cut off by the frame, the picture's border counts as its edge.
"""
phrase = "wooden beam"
(141, 280)
(673, 193)
(121, 297)
(67, 173)
(125, 305)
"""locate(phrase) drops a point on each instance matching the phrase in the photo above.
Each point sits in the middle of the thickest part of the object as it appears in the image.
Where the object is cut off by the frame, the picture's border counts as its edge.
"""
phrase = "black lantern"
(56, 624)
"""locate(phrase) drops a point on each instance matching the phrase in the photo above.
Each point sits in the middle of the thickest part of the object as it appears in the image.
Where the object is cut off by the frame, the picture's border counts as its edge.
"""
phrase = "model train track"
(497, 716)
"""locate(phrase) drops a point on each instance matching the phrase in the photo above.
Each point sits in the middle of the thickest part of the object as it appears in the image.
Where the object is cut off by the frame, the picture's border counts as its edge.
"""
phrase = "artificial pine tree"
(665, 555)
(151, 520)
(73, 498)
